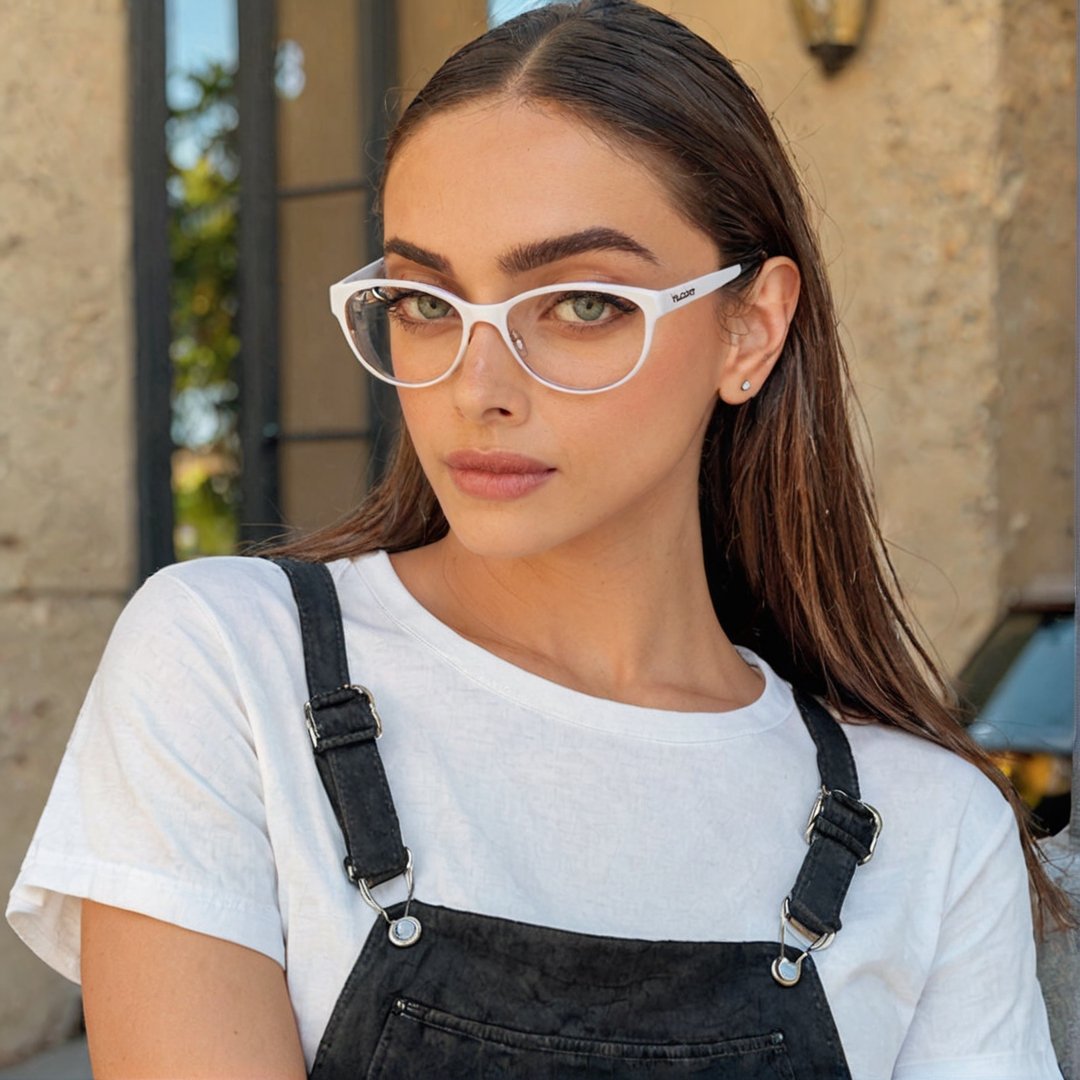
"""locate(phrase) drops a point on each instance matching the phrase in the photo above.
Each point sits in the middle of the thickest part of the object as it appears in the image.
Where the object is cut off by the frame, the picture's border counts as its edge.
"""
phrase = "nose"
(489, 384)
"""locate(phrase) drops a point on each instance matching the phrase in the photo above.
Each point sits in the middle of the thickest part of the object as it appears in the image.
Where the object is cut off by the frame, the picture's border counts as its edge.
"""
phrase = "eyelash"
(394, 297)
(618, 302)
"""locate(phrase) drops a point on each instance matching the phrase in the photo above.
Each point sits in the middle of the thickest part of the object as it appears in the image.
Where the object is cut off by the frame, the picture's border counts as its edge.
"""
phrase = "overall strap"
(343, 725)
(842, 831)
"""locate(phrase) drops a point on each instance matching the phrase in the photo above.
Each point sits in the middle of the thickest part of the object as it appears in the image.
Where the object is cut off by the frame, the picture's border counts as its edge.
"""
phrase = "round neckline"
(537, 694)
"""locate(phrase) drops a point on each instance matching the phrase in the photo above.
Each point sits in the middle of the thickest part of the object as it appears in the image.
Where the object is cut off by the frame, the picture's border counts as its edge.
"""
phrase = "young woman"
(552, 732)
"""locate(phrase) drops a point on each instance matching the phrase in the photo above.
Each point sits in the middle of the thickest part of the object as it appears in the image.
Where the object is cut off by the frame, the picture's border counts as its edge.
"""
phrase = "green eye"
(583, 307)
(431, 307)
(409, 304)
(588, 308)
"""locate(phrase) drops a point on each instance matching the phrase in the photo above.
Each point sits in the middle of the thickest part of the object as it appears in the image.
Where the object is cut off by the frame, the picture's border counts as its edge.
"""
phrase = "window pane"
(203, 191)
(319, 124)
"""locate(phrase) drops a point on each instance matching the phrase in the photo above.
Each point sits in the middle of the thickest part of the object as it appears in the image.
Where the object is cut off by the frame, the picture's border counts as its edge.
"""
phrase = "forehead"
(480, 179)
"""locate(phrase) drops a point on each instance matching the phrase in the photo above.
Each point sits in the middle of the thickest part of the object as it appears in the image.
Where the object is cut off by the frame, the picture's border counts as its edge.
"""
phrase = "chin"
(503, 533)
(493, 541)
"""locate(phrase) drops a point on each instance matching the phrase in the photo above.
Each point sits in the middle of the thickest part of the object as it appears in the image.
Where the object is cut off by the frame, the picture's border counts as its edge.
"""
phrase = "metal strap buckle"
(855, 804)
(361, 691)
(785, 971)
(404, 930)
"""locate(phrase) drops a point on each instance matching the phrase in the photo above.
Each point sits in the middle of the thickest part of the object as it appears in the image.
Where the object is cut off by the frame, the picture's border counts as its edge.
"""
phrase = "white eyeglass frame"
(654, 304)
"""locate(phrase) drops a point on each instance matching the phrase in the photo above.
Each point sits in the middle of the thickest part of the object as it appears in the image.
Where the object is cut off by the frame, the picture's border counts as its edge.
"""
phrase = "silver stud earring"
(746, 384)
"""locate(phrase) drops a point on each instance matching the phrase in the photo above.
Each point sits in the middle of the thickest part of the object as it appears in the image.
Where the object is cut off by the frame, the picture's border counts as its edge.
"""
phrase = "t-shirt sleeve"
(157, 806)
(981, 1014)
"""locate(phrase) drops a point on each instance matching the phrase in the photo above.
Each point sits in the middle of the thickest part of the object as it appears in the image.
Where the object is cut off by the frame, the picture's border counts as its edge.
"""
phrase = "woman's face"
(519, 468)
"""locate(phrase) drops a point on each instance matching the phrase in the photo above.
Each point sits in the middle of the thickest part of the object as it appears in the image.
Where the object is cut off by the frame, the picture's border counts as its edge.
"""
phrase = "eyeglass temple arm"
(689, 291)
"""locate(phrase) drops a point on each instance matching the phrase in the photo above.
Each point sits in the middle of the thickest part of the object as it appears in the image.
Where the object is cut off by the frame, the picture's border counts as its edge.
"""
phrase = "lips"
(496, 474)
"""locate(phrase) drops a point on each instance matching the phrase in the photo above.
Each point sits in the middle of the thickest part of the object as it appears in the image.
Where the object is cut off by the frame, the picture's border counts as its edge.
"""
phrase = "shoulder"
(908, 766)
(217, 582)
(217, 617)
(191, 606)
(940, 812)
(230, 592)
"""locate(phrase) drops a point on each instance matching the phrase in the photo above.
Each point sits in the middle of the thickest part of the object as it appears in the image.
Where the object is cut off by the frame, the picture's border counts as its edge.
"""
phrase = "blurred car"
(1019, 687)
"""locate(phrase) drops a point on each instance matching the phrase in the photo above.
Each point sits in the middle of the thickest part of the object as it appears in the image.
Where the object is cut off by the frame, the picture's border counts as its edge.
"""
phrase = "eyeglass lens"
(578, 339)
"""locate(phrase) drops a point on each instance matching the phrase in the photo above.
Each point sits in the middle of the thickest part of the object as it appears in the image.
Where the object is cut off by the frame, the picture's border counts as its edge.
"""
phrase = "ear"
(759, 330)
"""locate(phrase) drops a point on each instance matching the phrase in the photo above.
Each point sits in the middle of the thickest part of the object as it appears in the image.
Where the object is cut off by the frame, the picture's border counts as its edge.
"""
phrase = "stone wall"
(66, 437)
(1036, 288)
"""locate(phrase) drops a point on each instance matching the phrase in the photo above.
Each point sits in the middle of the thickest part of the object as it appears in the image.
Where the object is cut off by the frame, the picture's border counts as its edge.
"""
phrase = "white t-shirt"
(189, 792)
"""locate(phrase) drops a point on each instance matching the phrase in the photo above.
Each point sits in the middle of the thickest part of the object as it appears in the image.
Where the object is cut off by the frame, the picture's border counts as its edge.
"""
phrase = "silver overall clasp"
(406, 929)
(786, 971)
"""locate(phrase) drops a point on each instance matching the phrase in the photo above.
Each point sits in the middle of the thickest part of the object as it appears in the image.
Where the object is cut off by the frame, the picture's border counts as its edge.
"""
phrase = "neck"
(629, 622)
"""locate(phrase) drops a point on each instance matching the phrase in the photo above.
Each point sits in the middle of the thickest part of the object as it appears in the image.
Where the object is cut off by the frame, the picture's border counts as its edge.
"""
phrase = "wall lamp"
(832, 29)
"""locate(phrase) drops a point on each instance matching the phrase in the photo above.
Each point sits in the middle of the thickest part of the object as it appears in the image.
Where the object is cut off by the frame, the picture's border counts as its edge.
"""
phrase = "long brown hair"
(794, 555)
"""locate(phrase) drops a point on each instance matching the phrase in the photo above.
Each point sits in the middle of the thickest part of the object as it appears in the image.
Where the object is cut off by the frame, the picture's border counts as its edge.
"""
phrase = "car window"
(1030, 707)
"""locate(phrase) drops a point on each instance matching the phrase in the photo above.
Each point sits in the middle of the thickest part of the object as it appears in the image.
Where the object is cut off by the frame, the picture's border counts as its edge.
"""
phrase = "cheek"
(422, 419)
(681, 374)
(645, 432)
(670, 401)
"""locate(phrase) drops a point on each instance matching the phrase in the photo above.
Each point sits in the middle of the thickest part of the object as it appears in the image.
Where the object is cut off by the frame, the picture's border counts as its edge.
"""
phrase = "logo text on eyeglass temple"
(677, 296)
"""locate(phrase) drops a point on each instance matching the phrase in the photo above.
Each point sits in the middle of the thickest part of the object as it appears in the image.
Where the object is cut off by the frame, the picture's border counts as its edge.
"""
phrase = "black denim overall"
(438, 993)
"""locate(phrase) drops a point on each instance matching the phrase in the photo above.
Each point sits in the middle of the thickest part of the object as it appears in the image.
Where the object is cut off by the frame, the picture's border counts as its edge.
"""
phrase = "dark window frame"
(258, 365)
(152, 270)
(259, 361)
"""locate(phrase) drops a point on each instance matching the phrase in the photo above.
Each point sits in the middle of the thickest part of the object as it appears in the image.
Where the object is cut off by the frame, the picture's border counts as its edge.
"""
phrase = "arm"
(161, 1001)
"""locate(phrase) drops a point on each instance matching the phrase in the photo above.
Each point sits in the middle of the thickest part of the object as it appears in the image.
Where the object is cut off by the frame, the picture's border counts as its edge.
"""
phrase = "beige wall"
(66, 555)
(1036, 287)
(943, 164)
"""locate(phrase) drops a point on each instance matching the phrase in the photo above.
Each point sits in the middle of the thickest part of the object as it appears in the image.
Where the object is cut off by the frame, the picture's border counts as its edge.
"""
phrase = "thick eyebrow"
(415, 253)
(526, 257)
(529, 256)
